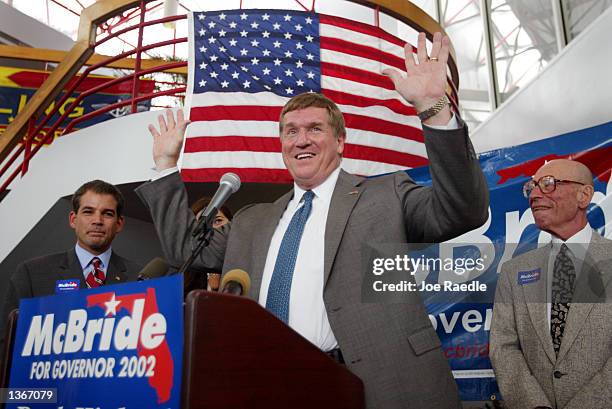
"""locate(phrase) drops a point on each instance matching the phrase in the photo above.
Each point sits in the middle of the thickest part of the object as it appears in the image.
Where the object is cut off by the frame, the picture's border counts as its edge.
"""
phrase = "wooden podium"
(238, 355)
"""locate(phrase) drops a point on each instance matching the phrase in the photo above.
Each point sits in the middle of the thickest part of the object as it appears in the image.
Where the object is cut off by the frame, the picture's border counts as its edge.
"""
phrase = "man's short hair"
(312, 99)
(100, 187)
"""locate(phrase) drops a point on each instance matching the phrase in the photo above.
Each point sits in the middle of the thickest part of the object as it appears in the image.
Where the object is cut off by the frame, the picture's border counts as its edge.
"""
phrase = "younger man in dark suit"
(96, 219)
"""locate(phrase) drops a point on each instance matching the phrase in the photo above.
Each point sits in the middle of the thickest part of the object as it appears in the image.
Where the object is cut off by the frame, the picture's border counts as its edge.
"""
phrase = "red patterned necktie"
(96, 276)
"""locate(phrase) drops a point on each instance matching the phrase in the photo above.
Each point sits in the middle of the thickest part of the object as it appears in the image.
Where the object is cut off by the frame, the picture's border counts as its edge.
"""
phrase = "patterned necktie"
(96, 276)
(564, 276)
(277, 301)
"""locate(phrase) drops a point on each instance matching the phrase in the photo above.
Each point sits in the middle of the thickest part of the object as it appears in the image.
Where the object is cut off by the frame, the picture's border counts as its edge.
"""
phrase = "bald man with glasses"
(551, 335)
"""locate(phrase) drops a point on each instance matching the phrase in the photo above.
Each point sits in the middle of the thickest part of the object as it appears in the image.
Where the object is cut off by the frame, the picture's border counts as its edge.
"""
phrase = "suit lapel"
(345, 196)
(71, 269)
(536, 298)
(579, 311)
(115, 273)
(262, 240)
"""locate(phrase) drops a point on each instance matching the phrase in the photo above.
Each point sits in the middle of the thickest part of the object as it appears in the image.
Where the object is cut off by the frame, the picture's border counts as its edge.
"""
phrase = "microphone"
(228, 185)
(236, 282)
(154, 269)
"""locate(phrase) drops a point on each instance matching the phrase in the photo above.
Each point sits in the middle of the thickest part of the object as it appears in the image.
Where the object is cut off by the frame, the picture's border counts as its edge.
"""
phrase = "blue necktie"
(277, 301)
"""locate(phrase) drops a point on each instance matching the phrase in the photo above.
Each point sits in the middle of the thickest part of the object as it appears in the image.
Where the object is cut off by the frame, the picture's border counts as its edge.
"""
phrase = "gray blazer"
(393, 348)
(527, 370)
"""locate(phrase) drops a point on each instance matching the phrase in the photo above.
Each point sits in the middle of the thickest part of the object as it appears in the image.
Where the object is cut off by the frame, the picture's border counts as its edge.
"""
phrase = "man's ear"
(120, 223)
(341, 141)
(71, 218)
(585, 195)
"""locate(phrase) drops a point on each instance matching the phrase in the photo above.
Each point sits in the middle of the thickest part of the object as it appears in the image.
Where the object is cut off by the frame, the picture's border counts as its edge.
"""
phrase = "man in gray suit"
(96, 219)
(551, 335)
(303, 252)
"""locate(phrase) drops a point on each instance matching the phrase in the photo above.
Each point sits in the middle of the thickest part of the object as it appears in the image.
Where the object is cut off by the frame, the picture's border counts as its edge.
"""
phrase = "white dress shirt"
(85, 258)
(307, 313)
(578, 245)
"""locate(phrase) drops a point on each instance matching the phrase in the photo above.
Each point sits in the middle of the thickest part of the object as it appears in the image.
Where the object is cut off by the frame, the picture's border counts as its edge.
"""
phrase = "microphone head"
(232, 180)
(155, 268)
(240, 276)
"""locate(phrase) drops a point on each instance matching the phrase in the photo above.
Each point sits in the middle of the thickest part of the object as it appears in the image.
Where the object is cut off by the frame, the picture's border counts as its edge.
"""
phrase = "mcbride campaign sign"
(116, 346)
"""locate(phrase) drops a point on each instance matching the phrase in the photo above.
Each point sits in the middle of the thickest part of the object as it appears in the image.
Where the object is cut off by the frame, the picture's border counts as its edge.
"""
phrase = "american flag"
(244, 66)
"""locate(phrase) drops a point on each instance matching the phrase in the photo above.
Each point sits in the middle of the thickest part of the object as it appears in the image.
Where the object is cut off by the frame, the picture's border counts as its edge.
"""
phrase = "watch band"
(437, 107)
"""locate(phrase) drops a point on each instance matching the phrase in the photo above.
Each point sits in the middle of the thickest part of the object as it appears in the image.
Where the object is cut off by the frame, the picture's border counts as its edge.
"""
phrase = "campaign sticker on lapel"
(61, 286)
(528, 277)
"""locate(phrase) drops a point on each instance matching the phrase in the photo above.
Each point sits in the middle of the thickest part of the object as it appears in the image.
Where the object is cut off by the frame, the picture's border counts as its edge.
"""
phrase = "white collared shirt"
(307, 313)
(85, 258)
(578, 245)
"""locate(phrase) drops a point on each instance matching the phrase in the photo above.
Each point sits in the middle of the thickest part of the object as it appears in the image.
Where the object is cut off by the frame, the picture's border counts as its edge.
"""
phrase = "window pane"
(580, 13)
(523, 35)
(463, 23)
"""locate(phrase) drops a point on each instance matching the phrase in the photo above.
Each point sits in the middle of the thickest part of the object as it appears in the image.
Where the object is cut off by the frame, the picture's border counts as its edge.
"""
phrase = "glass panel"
(523, 33)
(580, 13)
(463, 23)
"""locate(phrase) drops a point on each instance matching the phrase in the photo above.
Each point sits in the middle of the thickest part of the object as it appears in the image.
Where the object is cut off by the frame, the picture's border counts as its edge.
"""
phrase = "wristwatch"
(437, 107)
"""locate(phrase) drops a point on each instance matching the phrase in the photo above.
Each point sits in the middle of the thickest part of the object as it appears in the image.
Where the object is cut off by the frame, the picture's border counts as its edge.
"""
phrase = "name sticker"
(61, 286)
(528, 277)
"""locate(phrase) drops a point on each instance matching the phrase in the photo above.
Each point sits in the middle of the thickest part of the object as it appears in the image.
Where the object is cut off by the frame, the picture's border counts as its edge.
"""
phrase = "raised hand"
(167, 142)
(425, 81)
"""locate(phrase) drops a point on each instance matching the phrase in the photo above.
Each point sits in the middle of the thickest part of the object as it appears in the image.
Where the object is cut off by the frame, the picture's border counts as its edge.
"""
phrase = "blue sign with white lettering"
(528, 277)
(115, 346)
(62, 286)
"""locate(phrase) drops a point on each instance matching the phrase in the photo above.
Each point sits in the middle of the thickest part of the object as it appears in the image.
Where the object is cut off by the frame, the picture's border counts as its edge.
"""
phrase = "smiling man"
(96, 218)
(551, 335)
(303, 251)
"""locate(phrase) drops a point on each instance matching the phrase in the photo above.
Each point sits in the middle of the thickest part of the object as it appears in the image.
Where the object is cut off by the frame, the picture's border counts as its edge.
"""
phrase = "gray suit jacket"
(393, 348)
(37, 277)
(527, 370)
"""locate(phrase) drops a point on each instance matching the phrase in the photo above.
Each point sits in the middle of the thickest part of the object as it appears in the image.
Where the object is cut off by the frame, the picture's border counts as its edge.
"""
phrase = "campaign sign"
(116, 346)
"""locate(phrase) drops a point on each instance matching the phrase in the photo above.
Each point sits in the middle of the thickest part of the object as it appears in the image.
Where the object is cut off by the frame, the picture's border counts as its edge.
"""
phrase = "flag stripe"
(263, 144)
(357, 75)
(355, 88)
(274, 160)
(342, 98)
(344, 101)
(337, 44)
(360, 28)
(350, 60)
(214, 174)
(382, 126)
(269, 130)
(358, 38)
(254, 113)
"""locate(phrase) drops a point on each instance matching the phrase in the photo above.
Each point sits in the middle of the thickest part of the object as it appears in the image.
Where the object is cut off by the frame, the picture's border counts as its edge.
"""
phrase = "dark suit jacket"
(393, 348)
(37, 277)
(521, 345)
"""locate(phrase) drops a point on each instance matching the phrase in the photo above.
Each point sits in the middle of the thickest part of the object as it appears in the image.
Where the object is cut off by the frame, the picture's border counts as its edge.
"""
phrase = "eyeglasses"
(547, 184)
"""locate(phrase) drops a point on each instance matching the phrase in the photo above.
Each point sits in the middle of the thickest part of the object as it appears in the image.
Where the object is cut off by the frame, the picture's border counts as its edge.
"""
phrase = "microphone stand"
(202, 233)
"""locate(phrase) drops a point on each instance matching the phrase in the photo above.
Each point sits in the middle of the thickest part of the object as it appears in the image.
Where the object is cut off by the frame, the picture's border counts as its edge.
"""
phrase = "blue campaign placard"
(116, 346)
